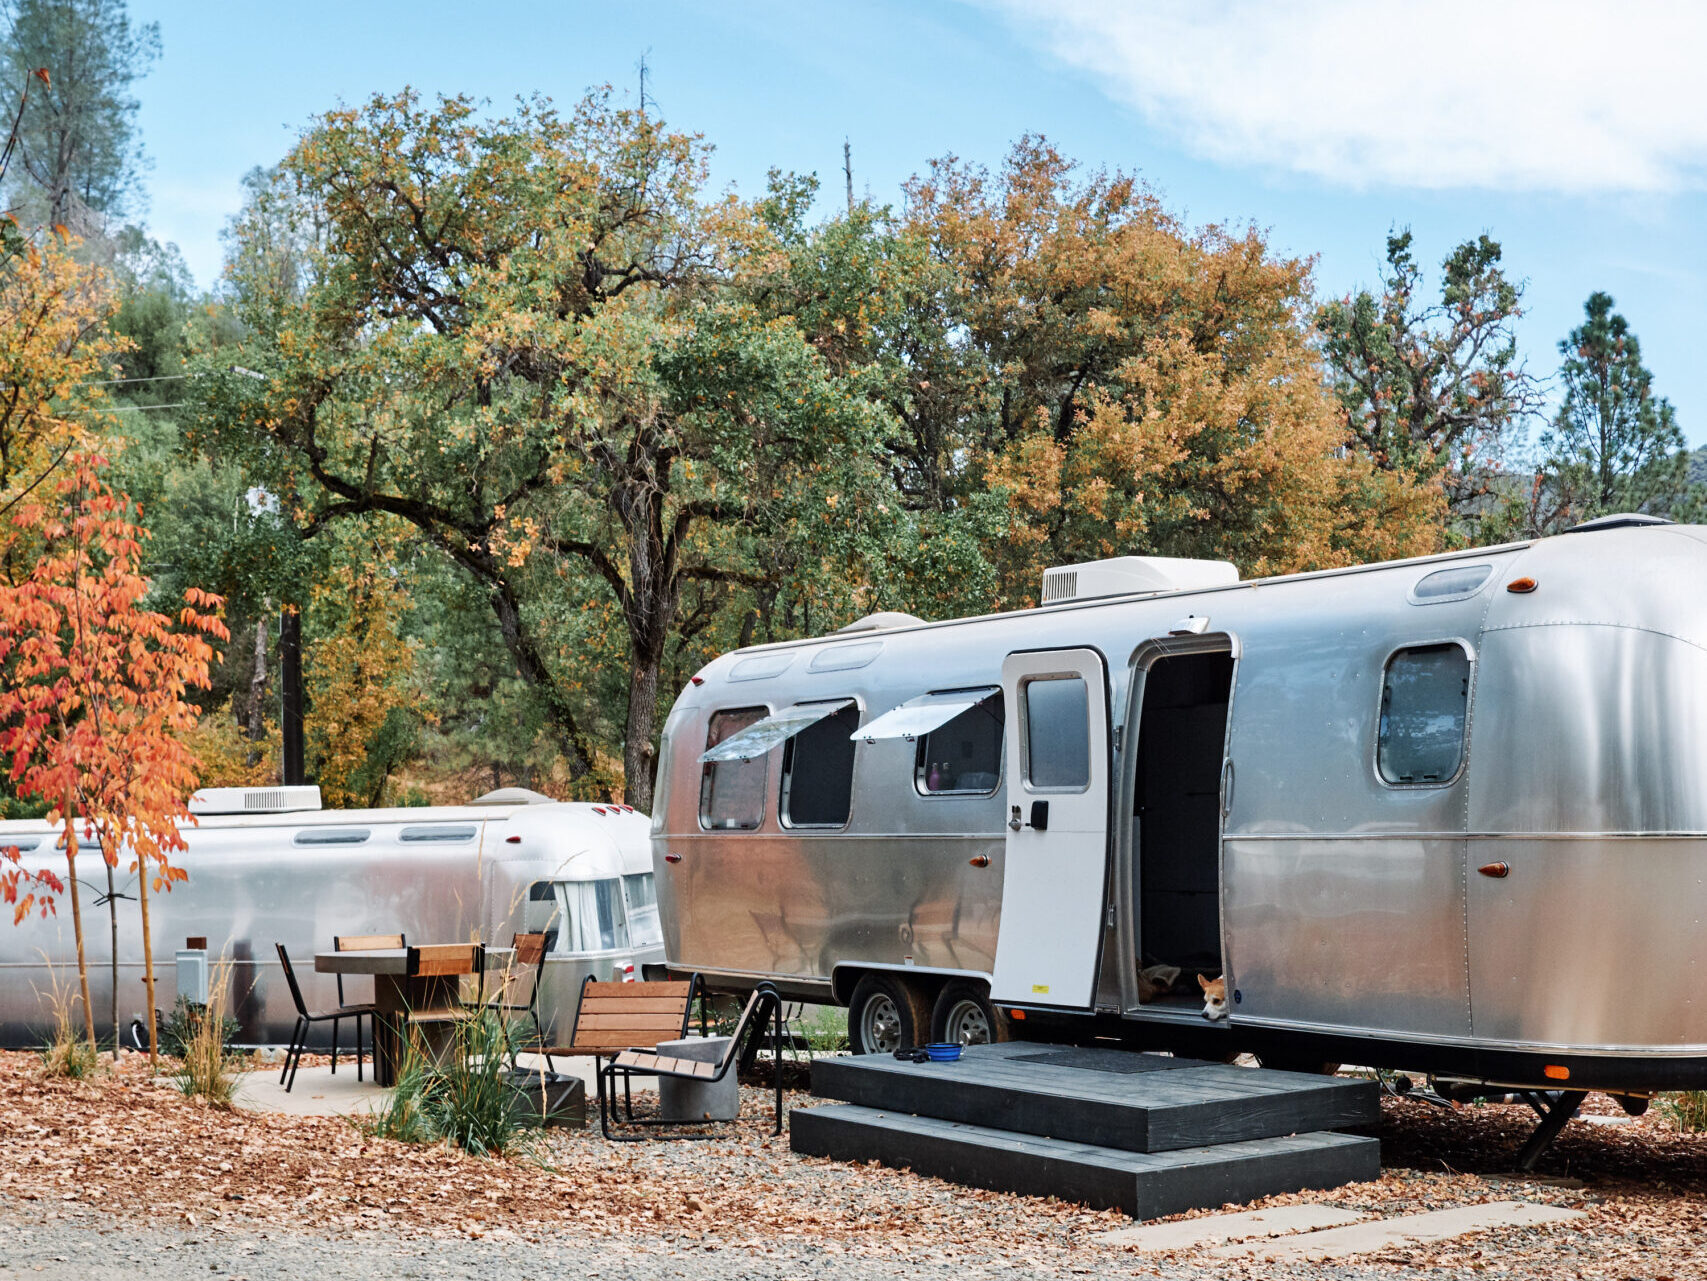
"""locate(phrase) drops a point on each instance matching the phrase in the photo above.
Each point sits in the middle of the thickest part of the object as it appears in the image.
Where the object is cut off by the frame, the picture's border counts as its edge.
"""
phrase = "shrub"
(1686, 1111)
(826, 1031)
(183, 1026)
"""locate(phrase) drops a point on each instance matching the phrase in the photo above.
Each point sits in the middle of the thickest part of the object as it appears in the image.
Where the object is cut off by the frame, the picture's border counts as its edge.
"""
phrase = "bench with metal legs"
(765, 1004)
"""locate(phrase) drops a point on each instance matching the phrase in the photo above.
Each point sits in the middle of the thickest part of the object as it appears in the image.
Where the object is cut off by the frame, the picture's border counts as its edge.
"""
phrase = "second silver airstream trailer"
(268, 866)
(1445, 814)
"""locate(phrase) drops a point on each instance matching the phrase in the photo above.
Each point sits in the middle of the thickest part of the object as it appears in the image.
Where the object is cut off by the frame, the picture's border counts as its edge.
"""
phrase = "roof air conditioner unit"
(254, 800)
(1134, 575)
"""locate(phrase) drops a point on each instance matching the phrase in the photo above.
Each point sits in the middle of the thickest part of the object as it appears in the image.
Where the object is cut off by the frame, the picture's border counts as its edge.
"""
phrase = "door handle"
(1496, 870)
(1040, 815)
(1015, 822)
(1226, 787)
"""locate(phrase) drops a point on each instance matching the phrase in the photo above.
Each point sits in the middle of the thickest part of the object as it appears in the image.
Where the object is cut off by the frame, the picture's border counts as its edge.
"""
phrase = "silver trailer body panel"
(437, 875)
(1346, 904)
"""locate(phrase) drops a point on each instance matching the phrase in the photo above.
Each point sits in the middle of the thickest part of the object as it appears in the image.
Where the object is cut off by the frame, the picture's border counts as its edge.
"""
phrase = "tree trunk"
(294, 766)
(640, 757)
(77, 916)
(113, 921)
(257, 728)
(147, 962)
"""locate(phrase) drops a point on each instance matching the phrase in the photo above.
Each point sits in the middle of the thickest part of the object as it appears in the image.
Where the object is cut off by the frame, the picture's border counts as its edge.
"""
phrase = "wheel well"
(847, 977)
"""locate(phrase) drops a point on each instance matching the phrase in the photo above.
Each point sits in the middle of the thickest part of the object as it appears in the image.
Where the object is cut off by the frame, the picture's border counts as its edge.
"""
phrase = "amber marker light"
(1521, 586)
(1556, 1072)
(1018, 1015)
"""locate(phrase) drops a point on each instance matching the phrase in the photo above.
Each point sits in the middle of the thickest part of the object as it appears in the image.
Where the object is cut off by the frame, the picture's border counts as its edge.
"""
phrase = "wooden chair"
(528, 965)
(764, 1004)
(613, 1017)
(448, 960)
(365, 943)
(306, 1018)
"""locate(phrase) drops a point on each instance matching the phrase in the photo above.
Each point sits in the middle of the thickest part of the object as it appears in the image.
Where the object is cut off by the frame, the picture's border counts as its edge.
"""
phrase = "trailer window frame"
(1024, 710)
(921, 755)
(790, 752)
(708, 769)
(1382, 715)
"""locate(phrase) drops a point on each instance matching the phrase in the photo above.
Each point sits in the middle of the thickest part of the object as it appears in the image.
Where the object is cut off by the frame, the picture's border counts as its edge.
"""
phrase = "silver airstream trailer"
(267, 865)
(1446, 814)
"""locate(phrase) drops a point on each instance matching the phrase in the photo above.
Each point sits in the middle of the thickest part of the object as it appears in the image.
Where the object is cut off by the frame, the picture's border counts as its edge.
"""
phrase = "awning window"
(920, 716)
(761, 736)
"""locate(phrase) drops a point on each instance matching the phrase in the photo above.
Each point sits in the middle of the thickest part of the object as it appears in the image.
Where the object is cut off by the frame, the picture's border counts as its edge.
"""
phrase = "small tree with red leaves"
(93, 703)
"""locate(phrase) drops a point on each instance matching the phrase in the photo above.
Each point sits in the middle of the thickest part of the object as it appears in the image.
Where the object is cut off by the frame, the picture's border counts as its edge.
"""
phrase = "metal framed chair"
(359, 943)
(306, 1019)
(764, 1005)
(528, 966)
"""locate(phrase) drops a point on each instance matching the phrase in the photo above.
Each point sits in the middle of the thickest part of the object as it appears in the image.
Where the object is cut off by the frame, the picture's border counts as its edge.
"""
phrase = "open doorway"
(1176, 823)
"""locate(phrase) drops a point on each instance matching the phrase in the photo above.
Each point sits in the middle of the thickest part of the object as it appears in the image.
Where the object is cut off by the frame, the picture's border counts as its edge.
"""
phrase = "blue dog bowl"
(943, 1051)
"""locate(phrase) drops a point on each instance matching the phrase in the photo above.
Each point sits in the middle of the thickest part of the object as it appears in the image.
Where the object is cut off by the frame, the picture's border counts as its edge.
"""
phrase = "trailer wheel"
(885, 1015)
(963, 1015)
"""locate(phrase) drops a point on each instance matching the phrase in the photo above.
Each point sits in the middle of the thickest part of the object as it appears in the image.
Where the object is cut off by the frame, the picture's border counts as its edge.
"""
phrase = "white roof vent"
(1132, 575)
(881, 620)
(512, 796)
(254, 800)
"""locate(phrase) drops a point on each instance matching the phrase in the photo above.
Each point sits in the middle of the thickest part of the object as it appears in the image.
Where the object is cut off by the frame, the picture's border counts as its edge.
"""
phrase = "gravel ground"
(121, 1176)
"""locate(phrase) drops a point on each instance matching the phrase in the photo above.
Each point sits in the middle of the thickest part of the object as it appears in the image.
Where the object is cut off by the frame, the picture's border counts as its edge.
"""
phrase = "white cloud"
(1548, 95)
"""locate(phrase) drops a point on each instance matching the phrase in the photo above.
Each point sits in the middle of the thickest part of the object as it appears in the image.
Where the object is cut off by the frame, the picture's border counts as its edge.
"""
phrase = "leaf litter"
(130, 1143)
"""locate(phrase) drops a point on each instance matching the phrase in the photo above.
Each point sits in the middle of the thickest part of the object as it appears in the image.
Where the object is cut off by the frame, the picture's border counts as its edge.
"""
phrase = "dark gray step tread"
(1187, 1105)
(1143, 1184)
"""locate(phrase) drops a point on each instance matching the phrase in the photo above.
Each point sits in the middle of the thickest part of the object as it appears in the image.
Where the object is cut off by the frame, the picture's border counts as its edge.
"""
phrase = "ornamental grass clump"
(68, 1051)
(469, 1100)
(206, 1069)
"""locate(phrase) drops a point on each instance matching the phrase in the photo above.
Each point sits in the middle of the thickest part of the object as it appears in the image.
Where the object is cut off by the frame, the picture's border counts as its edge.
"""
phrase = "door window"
(1424, 696)
(1057, 733)
(643, 925)
(543, 914)
(732, 793)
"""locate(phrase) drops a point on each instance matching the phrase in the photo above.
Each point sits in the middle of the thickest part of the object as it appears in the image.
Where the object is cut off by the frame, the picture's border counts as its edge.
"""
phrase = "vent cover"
(254, 800)
(1134, 575)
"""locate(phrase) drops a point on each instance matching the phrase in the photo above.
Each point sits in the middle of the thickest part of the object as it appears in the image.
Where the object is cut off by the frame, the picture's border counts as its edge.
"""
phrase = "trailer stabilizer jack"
(1555, 1108)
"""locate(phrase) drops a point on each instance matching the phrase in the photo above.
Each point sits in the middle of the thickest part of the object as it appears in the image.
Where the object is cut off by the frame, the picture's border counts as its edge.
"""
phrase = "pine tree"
(1614, 446)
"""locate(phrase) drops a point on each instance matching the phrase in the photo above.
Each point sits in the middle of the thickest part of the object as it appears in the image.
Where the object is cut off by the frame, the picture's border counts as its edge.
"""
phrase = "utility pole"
(847, 169)
(643, 84)
(290, 696)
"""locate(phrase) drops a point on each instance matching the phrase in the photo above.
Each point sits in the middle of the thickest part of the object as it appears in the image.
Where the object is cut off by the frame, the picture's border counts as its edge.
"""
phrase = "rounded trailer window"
(1457, 583)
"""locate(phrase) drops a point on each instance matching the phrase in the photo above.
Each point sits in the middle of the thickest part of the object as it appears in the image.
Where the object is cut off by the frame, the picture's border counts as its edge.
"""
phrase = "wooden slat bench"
(613, 1017)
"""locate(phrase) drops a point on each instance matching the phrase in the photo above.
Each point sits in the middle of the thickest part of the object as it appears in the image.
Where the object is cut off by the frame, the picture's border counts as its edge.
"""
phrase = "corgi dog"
(1214, 997)
(1156, 981)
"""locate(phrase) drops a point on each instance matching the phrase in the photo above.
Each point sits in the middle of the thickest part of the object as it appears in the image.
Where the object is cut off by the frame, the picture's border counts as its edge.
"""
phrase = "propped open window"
(919, 716)
(817, 768)
(763, 735)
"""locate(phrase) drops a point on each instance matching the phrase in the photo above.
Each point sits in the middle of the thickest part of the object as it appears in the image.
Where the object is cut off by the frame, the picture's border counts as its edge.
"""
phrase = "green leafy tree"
(1614, 445)
(518, 336)
(77, 140)
(1432, 389)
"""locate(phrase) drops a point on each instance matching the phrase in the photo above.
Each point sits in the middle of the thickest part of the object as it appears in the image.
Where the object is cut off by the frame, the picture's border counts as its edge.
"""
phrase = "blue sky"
(1568, 130)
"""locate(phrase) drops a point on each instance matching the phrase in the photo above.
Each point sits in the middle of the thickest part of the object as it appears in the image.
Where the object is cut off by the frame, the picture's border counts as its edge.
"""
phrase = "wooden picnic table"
(396, 992)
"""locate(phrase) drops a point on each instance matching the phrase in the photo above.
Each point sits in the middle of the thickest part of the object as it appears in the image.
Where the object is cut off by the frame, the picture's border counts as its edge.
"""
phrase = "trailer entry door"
(1054, 886)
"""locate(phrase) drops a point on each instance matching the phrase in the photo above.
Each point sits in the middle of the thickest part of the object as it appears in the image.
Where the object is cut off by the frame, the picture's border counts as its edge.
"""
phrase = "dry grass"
(68, 1053)
(207, 1070)
(1687, 1111)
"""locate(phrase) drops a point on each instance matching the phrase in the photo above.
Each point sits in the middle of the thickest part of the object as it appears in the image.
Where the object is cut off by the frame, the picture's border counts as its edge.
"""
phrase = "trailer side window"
(963, 756)
(732, 793)
(1057, 733)
(1424, 696)
(542, 914)
(817, 771)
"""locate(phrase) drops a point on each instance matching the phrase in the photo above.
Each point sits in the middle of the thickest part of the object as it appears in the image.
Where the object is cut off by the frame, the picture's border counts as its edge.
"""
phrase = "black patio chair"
(305, 1019)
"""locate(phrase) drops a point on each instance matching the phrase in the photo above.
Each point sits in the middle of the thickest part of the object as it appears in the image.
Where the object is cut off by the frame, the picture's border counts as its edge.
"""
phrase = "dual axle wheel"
(888, 1013)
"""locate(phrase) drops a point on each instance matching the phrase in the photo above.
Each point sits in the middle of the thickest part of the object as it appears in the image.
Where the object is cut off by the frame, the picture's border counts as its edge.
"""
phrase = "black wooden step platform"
(1144, 1185)
(1107, 1097)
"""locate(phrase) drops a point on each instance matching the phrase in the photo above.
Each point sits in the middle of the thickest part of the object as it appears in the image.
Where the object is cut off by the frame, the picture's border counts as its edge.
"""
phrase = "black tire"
(963, 1015)
(886, 1015)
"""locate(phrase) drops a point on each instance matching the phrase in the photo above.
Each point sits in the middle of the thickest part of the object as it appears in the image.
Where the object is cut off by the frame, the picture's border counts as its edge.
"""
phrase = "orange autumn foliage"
(94, 708)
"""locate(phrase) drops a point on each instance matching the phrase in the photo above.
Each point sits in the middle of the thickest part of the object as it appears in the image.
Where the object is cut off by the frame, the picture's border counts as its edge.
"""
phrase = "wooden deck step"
(1144, 1185)
(1109, 1098)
